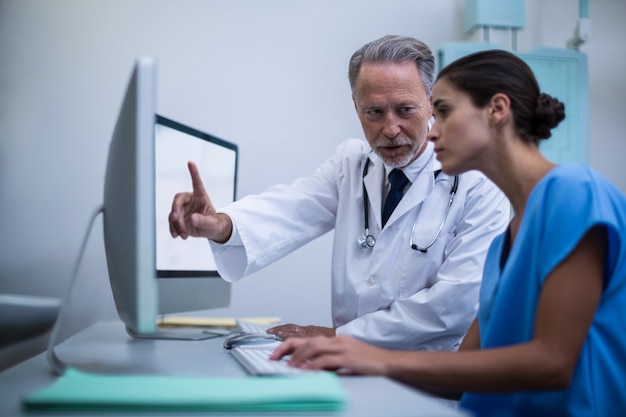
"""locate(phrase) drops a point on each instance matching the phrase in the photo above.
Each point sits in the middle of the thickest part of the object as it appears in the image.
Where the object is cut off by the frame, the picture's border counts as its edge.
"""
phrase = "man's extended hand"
(193, 213)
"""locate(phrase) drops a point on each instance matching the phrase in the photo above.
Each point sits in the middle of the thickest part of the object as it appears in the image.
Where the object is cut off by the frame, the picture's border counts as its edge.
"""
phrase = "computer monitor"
(138, 179)
(129, 195)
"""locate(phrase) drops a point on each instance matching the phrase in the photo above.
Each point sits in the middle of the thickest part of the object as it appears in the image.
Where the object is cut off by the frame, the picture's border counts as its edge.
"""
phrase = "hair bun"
(549, 113)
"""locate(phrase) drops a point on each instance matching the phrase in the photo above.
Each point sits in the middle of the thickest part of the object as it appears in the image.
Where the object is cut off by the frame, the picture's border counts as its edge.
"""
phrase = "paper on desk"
(79, 391)
(211, 321)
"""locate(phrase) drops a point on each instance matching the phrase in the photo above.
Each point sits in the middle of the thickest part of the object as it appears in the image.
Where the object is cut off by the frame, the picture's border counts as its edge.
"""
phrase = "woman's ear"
(499, 108)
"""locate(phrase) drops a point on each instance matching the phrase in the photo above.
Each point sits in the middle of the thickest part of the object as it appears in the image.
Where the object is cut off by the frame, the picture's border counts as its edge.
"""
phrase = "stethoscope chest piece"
(366, 240)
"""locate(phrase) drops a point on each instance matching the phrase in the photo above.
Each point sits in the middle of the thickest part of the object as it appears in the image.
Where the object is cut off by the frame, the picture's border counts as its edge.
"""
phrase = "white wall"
(268, 75)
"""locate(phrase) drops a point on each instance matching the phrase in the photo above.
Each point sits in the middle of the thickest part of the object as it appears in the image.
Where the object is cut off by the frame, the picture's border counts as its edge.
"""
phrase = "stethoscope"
(366, 240)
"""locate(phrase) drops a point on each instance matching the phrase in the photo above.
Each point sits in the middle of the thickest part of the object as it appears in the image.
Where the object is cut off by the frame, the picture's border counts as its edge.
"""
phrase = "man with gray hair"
(409, 241)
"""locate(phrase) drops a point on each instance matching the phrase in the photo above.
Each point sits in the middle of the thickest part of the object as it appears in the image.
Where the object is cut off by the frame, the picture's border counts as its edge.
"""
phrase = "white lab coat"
(390, 295)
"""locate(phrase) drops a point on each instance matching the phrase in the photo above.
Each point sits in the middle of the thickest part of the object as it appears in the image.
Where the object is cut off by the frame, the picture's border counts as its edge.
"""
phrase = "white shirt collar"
(413, 170)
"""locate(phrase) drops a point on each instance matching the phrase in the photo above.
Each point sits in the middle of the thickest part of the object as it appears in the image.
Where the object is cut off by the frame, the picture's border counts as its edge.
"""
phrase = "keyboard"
(256, 362)
(252, 327)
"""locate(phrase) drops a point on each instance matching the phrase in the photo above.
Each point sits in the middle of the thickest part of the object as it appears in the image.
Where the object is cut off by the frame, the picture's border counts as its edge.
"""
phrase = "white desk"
(106, 347)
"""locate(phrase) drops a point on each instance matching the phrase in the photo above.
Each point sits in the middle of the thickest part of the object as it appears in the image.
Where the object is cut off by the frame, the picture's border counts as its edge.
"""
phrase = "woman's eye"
(441, 112)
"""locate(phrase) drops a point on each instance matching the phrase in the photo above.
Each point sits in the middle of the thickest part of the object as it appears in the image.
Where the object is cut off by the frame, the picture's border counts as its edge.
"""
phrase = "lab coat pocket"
(427, 261)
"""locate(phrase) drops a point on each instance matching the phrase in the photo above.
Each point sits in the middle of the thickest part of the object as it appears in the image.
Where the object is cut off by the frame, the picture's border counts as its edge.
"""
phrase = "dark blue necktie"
(398, 181)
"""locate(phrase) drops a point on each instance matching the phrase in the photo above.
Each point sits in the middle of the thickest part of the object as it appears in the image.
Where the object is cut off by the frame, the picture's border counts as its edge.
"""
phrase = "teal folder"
(79, 391)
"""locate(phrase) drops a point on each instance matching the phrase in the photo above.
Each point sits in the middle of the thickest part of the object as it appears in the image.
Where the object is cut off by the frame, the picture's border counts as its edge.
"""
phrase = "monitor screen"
(151, 273)
(176, 144)
(180, 263)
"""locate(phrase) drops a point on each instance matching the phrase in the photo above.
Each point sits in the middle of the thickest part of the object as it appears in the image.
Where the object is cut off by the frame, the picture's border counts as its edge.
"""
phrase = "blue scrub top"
(563, 206)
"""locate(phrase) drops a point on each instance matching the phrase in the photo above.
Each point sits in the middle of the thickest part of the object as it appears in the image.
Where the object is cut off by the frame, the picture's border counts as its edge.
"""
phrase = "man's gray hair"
(397, 50)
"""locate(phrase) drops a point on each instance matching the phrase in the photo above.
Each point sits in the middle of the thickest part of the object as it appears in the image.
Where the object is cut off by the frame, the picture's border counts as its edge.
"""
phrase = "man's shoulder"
(353, 146)
(476, 179)
(477, 186)
(352, 152)
(474, 176)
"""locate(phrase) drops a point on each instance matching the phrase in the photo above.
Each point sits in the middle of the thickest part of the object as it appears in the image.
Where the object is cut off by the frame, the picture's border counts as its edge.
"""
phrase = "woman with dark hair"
(550, 335)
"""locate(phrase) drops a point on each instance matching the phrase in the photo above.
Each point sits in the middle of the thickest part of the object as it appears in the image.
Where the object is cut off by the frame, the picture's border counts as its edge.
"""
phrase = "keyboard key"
(257, 362)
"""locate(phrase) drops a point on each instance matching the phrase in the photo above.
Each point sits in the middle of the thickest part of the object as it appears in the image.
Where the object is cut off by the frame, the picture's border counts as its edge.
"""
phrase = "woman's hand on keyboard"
(286, 331)
(334, 353)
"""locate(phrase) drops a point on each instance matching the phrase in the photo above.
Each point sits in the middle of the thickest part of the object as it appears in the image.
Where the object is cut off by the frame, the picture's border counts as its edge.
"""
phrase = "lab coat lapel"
(374, 185)
(416, 194)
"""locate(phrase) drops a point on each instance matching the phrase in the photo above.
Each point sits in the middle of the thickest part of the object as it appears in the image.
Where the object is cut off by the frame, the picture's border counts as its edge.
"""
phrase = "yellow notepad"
(80, 391)
(211, 321)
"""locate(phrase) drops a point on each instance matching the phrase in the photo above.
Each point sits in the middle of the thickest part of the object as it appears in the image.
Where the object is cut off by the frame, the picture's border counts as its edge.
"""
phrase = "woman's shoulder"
(577, 177)
(577, 190)
(570, 172)
(568, 178)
